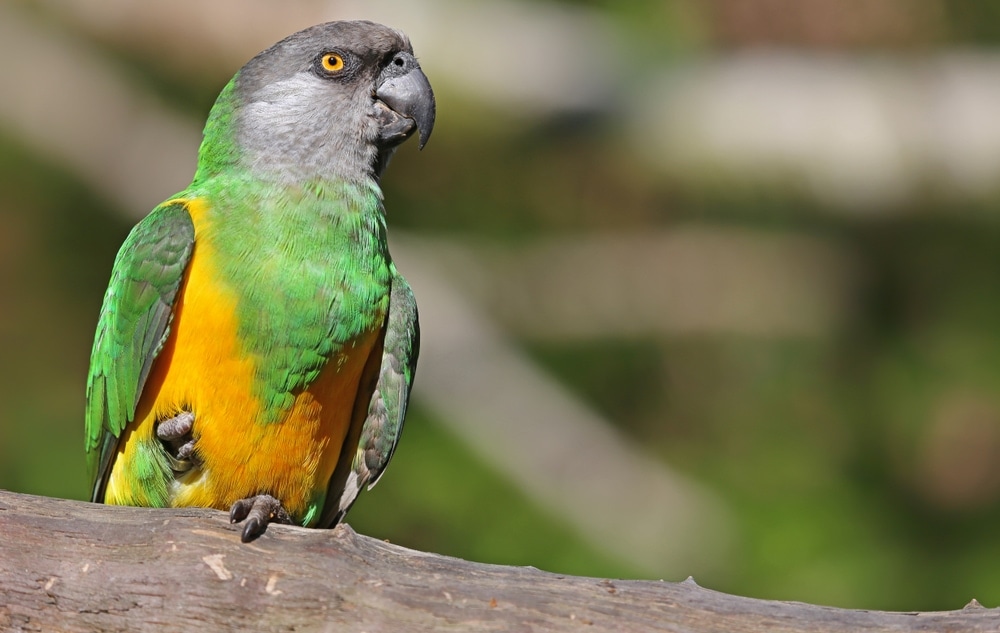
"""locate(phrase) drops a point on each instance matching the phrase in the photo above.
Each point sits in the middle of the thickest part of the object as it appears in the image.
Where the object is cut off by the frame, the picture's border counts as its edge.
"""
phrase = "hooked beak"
(405, 90)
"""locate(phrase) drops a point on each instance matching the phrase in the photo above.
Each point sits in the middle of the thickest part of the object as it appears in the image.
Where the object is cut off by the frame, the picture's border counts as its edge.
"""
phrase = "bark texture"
(74, 566)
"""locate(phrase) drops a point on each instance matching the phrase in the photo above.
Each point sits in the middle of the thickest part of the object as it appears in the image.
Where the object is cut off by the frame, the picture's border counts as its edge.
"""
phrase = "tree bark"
(73, 566)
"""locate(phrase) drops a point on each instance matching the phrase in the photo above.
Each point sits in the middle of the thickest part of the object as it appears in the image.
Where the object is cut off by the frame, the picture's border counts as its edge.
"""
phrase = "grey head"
(330, 102)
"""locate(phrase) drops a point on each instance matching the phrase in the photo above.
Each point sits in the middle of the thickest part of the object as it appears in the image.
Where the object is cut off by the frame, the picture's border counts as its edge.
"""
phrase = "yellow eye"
(332, 62)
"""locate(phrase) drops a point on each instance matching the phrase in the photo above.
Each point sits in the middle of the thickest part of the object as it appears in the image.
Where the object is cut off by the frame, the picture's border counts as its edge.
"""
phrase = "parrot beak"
(405, 90)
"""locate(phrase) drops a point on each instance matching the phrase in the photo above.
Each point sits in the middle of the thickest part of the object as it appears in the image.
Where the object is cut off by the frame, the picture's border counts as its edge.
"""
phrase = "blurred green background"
(735, 261)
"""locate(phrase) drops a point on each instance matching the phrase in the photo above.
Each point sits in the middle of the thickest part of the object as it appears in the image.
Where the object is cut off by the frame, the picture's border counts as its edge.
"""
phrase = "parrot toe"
(175, 428)
(176, 435)
(257, 512)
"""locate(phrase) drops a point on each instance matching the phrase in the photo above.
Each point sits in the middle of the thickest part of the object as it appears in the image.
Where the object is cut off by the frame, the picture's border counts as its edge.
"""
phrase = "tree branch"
(73, 566)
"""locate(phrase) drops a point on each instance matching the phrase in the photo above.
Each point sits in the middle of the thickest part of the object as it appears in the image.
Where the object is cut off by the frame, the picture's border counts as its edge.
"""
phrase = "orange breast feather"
(202, 368)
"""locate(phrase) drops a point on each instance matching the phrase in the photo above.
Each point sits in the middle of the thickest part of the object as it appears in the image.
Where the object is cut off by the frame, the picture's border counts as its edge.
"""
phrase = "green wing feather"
(134, 324)
(384, 423)
(386, 409)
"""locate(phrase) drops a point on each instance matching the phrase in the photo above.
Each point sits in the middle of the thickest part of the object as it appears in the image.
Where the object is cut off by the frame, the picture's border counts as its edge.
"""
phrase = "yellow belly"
(202, 369)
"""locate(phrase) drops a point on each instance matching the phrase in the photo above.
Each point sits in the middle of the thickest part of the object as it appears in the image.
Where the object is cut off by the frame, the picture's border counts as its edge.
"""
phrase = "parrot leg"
(258, 512)
(175, 433)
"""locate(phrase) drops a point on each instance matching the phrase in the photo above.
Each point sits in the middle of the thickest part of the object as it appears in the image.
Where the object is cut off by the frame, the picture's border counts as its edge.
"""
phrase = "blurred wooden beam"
(864, 136)
(684, 280)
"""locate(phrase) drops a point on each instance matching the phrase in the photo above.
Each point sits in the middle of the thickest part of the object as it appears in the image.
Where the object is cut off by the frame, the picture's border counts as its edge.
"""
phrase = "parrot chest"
(268, 353)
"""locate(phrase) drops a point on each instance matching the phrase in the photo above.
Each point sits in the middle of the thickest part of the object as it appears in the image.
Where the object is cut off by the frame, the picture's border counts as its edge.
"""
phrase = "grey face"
(332, 101)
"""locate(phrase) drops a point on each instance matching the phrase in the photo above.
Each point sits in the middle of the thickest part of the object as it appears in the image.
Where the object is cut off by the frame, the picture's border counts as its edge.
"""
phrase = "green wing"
(383, 421)
(134, 324)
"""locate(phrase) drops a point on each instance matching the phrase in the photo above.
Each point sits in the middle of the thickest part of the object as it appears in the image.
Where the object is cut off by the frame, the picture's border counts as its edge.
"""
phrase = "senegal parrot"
(256, 345)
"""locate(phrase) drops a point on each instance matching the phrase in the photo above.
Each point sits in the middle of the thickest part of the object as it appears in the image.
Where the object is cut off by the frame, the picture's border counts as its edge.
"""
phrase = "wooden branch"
(73, 566)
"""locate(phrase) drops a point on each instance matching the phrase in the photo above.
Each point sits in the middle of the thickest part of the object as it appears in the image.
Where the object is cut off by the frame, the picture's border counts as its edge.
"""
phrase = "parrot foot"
(258, 512)
(175, 433)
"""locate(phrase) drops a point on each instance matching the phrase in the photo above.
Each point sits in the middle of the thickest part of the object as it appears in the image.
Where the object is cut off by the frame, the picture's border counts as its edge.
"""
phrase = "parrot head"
(335, 99)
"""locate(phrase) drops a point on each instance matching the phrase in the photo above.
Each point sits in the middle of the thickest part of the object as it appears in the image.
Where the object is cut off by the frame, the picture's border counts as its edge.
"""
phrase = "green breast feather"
(310, 270)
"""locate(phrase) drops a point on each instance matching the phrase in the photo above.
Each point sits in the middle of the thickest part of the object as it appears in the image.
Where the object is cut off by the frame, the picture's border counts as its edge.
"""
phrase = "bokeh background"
(708, 287)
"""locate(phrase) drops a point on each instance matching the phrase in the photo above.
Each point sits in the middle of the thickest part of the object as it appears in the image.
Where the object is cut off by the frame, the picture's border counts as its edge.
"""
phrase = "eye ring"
(332, 62)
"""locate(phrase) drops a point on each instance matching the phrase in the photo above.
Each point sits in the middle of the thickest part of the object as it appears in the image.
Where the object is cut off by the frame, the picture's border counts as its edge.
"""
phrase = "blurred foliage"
(973, 22)
(862, 469)
(57, 243)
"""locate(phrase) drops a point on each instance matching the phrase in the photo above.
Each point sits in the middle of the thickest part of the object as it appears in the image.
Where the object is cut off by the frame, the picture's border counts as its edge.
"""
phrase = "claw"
(186, 451)
(258, 512)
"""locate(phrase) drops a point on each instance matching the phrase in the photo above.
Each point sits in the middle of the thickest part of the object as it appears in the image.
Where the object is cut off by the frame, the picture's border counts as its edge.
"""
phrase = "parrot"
(256, 346)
